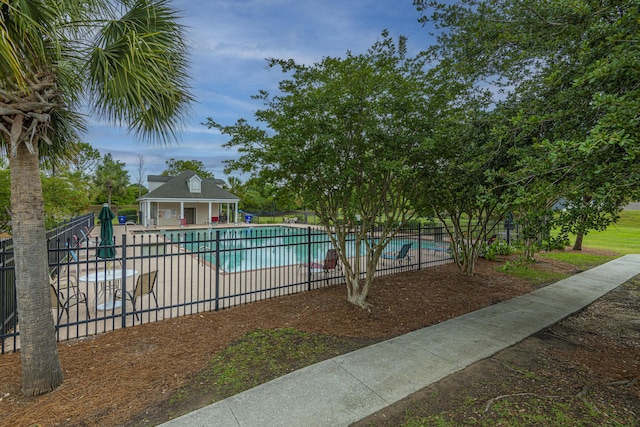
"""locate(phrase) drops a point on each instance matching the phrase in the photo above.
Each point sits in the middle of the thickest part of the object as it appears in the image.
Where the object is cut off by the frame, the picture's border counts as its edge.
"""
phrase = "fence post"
(123, 282)
(419, 246)
(217, 257)
(308, 258)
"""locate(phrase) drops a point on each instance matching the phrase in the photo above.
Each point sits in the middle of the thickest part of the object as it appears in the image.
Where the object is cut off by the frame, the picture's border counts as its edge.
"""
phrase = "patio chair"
(145, 285)
(73, 297)
(85, 241)
(401, 257)
(330, 265)
(70, 258)
(87, 233)
(445, 249)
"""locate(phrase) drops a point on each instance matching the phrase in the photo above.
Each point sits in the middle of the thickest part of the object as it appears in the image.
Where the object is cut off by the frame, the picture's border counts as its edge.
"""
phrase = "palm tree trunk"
(41, 369)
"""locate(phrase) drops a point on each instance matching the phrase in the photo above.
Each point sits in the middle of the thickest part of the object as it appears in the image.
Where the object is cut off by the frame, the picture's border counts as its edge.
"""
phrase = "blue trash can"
(122, 219)
(248, 218)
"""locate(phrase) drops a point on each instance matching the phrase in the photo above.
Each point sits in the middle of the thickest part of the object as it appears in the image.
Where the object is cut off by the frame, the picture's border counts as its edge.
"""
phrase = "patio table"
(107, 279)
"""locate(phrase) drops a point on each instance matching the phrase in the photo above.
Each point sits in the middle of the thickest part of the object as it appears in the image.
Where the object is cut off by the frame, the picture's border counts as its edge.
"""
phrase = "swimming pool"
(248, 248)
(241, 249)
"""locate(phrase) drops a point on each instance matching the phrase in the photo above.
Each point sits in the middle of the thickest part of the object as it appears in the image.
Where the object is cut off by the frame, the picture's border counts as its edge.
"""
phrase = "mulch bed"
(111, 378)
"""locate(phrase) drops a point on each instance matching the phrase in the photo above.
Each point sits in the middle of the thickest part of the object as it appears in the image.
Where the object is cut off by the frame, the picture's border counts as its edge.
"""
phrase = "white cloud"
(229, 41)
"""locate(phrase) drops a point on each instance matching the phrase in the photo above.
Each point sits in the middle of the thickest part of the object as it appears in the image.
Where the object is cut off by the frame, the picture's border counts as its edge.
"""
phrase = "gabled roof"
(159, 178)
(177, 188)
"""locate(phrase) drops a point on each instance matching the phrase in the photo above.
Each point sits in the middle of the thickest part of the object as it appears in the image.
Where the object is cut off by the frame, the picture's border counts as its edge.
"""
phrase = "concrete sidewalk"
(347, 388)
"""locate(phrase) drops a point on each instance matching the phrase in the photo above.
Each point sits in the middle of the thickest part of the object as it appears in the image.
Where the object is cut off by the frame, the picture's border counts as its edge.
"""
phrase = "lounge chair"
(330, 265)
(84, 242)
(87, 233)
(445, 249)
(400, 257)
(70, 258)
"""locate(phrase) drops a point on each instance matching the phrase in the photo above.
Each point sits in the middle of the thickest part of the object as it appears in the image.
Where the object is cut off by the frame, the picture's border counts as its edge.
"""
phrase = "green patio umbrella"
(106, 250)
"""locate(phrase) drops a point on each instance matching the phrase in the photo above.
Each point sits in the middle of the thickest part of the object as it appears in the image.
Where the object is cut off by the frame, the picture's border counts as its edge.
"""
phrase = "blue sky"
(229, 41)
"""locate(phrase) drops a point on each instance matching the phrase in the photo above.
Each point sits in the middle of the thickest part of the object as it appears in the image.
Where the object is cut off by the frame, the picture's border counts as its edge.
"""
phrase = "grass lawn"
(527, 272)
(580, 260)
(622, 237)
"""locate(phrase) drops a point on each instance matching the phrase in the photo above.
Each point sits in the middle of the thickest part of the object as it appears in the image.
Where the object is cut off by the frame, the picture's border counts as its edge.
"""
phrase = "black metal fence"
(8, 313)
(67, 232)
(196, 270)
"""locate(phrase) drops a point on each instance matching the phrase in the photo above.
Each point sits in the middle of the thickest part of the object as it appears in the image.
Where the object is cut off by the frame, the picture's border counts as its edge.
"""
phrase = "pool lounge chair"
(84, 242)
(330, 265)
(401, 257)
(444, 248)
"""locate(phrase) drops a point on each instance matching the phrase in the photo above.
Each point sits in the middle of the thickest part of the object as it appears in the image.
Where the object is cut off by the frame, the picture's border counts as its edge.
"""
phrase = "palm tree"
(124, 58)
(235, 185)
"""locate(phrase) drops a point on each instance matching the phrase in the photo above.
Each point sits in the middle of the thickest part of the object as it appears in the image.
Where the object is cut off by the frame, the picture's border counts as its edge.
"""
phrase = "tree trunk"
(577, 246)
(529, 249)
(356, 294)
(41, 369)
(356, 291)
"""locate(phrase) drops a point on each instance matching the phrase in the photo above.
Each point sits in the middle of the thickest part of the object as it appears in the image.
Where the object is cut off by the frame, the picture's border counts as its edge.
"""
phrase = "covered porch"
(176, 213)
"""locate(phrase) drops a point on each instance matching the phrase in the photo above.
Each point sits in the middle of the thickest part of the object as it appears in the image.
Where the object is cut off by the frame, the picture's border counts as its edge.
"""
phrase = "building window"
(195, 184)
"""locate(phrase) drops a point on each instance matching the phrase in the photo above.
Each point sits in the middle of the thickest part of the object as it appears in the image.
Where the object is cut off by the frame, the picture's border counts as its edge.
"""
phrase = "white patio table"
(107, 279)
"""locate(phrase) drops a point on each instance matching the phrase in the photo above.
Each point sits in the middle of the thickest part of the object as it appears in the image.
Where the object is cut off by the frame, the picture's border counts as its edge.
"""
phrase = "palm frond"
(61, 144)
(137, 72)
(23, 30)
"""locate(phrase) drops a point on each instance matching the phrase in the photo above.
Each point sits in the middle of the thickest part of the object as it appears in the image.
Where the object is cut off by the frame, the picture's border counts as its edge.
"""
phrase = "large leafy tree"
(466, 170)
(343, 133)
(176, 167)
(65, 196)
(84, 163)
(111, 178)
(5, 200)
(128, 57)
(254, 195)
(572, 71)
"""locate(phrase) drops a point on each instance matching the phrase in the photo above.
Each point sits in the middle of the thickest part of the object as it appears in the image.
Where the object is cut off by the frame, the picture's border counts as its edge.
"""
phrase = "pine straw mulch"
(111, 378)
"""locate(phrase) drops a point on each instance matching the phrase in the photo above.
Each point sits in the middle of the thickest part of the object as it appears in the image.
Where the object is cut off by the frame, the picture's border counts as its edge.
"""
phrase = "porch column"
(146, 207)
(209, 220)
(181, 219)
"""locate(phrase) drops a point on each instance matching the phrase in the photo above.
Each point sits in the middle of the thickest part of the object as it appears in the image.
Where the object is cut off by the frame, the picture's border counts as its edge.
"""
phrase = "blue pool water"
(242, 249)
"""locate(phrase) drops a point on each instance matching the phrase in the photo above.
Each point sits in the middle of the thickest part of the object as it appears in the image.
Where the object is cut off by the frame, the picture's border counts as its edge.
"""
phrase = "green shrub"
(497, 248)
(127, 212)
(131, 214)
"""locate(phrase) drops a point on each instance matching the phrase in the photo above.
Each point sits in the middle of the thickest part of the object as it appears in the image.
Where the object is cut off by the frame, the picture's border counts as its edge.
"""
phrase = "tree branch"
(504, 396)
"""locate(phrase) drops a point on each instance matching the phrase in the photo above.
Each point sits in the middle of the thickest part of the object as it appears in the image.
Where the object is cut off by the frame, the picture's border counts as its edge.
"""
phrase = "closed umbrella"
(106, 249)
